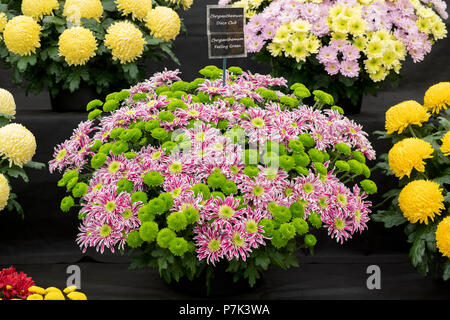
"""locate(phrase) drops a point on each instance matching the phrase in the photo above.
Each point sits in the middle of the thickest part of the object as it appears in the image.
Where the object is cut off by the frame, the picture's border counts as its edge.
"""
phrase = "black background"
(43, 244)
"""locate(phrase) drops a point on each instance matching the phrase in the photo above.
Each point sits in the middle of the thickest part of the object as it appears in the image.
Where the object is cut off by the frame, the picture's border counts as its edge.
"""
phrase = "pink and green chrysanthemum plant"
(201, 173)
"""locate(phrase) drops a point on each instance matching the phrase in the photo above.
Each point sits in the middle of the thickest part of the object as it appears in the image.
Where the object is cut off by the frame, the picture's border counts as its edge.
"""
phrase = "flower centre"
(226, 212)
(214, 245)
(258, 190)
(258, 122)
(358, 215)
(342, 198)
(127, 214)
(323, 202)
(251, 226)
(110, 206)
(308, 187)
(193, 113)
(234, 170)
(176, 192)
(61, 154)
(288, 192)
(114, 167)
(156, 155)
(339, 224)
(105, 231)
(176, 167)
(200, 136)
(238, 241)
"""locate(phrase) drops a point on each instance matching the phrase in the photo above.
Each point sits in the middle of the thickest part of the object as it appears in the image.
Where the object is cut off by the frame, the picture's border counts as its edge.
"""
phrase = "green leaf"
(131, 69)
(390, 218)
(446, 273)
(417, 252)
(35, 165)
(262, 261)
(109, 5)
(16, 172)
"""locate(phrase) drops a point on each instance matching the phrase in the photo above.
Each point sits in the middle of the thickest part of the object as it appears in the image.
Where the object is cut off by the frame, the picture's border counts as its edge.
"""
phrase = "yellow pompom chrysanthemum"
(17, 144)
(443, 237)
(125, 41)
(7, 103)
(163, 23)
(400, 116)
(4, 192)
(21, 35)
(437, 97)
(409, 154)
(35, 296)
(3, 21)
(77, 45)
(76, 296)
(75, 10)
(445, 148)
(421, 200)
(39, 8)
(137, 8)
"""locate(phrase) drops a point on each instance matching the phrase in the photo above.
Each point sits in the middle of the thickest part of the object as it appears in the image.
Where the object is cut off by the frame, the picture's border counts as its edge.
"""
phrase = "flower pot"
(66, 101)
(349, 107)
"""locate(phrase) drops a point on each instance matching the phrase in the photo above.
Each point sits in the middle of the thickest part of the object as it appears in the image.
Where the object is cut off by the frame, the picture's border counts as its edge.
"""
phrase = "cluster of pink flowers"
(224, 229)
(416, 24)
(340, 57)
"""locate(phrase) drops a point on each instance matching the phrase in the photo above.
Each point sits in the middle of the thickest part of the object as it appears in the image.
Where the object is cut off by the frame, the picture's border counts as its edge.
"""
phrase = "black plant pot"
(221, 285)
(67, 101)
(349, 107)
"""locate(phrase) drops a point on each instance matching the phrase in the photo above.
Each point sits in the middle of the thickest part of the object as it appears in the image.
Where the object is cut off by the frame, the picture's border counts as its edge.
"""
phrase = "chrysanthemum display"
(39, 8)
(357, 44)
(201, 173)
(125, 41)
(22, 35)
(77, 45)
(92, 44)
(419, 158)
(17, 147)
(163, 23)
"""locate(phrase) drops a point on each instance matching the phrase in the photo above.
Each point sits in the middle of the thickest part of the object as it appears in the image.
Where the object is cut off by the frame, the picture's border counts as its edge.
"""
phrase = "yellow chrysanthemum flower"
(137, 8)
(36, 289)
(443, 237)
(163, 23)
(406, 113)
(75, 10)
(7, 103)
(39, 8)
(76, 296)
(421, 200)
(35, 296)
(4, 192)
(77, 45)
(3, 21)
(409, 154)
(437, 97)
(70, 289)
(21, 35)
(125, 41)
(54, 295)
(17, 144)
(445, 148)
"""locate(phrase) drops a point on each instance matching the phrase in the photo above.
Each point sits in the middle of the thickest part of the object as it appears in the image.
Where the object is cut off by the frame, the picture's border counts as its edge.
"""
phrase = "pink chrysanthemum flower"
(209, 242)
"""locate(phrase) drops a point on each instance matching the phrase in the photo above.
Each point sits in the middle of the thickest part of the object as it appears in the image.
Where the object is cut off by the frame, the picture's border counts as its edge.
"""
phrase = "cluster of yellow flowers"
(295, 40)
(78, 44)
(53, 293)
(420, 200)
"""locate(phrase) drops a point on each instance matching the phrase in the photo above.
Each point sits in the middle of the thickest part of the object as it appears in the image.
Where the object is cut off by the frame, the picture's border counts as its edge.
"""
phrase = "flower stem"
(412, 131)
